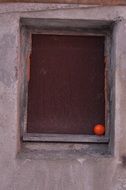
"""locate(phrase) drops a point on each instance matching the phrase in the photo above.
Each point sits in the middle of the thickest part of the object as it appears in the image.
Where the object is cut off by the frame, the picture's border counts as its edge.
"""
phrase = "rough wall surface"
(57, 171)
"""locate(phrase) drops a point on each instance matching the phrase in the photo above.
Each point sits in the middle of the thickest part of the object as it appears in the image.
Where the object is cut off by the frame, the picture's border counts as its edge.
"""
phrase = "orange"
(99, 129)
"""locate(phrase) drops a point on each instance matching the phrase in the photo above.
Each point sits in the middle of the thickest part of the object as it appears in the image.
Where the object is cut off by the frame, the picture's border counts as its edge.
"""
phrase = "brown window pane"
(66, 87)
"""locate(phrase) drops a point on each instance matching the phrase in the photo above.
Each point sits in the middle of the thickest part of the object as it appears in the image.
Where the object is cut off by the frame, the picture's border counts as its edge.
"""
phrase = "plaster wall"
(36, 166)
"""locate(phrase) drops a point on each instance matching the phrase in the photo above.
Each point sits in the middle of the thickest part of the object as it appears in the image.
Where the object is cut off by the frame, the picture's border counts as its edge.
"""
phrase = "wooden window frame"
(55, 26)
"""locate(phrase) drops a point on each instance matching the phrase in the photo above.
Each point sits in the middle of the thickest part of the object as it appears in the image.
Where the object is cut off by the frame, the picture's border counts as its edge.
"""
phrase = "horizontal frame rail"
(35, 137)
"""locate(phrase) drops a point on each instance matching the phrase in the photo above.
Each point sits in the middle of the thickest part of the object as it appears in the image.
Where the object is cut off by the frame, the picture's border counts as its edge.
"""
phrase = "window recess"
(67, 81)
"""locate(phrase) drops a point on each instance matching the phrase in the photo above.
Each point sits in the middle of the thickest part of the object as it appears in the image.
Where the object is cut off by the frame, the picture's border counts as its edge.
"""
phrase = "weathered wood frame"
(50, 26)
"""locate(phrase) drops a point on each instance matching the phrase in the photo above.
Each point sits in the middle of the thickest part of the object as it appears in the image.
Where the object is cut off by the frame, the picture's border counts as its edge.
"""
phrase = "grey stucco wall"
(58, 169)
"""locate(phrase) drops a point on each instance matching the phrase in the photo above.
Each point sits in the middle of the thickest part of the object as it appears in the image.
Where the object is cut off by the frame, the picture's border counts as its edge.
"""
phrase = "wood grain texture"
(89, 2)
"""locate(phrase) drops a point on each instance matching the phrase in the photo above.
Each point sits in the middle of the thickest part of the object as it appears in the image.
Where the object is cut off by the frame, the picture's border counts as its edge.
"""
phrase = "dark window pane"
(66, 88)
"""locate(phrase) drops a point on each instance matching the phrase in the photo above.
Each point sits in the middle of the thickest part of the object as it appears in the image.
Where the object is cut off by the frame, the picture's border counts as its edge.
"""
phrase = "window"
(68, 83)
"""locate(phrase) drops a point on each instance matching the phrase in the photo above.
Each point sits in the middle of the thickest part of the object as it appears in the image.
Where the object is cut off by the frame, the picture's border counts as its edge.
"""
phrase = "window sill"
(60, 151)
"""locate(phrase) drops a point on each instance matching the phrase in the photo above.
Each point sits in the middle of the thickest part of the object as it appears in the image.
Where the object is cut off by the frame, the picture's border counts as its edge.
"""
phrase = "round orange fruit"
(99, 129)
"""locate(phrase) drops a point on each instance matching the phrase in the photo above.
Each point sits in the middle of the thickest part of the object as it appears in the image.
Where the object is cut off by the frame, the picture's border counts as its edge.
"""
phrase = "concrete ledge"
(90, 2)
